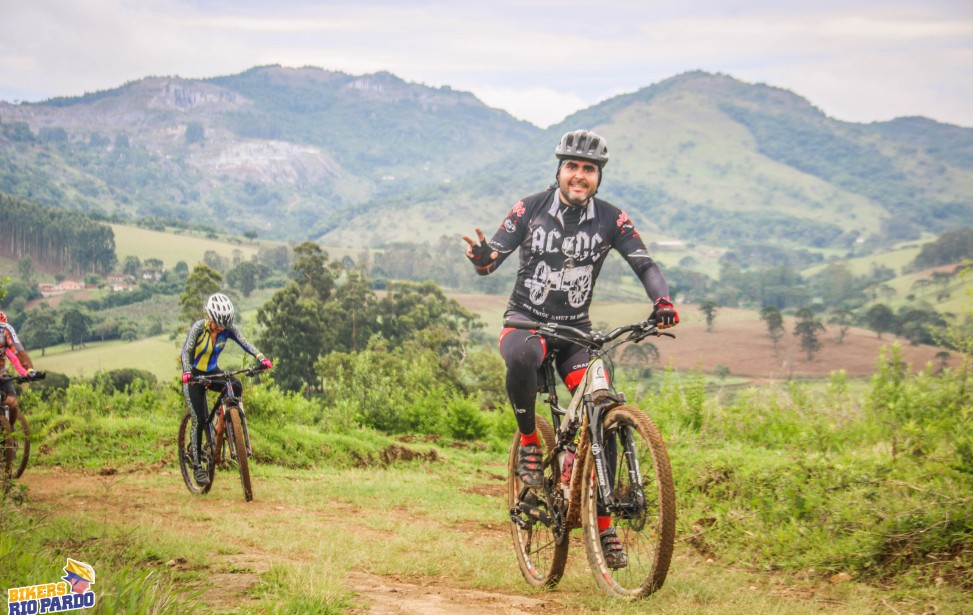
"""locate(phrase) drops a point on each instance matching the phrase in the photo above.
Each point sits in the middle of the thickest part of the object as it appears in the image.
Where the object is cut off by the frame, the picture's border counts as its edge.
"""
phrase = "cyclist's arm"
(24, 358)
(237, 336)
(189, 346)
(10, 342)
(508, 237)
(630, 245)
(17, 365)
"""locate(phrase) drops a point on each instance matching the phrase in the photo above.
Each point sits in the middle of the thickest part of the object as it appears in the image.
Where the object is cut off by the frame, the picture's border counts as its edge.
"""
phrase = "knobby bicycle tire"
(21, 445)
(186, 460)
(541, 555)
(647, 532)
(240, 444)
(6, 455)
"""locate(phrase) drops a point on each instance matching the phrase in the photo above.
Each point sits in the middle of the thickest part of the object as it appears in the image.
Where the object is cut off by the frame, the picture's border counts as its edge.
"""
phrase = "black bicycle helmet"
(583, 144)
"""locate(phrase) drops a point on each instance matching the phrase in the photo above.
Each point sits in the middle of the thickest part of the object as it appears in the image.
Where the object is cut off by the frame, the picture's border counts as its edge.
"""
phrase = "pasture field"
(738, 342)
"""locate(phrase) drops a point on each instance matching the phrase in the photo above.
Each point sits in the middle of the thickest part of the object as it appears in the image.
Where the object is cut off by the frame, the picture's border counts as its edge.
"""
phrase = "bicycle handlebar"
(21, 379)
(593, 339)
(223, 375)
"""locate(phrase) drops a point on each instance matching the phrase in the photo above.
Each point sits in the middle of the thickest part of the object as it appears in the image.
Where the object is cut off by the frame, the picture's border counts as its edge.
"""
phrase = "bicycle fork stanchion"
(635, 503)
(597, 435)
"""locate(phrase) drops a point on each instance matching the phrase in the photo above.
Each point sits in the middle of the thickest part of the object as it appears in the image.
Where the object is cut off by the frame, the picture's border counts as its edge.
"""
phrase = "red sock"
(530, 438)
(604, 523)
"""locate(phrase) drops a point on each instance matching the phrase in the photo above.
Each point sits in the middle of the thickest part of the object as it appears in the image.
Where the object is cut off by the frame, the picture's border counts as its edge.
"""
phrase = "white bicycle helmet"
(219, 308)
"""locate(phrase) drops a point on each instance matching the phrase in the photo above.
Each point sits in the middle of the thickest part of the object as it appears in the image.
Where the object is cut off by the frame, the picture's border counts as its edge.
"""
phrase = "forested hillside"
(283, 152)
(55, 239)
(311, 154)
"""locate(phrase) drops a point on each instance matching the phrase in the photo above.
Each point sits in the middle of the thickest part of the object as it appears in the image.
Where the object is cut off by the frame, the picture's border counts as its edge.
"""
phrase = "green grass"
(158, 355)
(172, 247)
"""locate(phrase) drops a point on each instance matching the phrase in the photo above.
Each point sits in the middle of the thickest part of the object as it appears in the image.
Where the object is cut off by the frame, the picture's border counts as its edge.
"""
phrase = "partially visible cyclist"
(563, 236)
(200, 353)
(13, 350)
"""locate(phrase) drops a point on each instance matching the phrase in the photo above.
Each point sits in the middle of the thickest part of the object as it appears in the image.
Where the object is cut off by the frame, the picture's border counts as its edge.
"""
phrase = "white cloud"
(539, 106)
(860, 60)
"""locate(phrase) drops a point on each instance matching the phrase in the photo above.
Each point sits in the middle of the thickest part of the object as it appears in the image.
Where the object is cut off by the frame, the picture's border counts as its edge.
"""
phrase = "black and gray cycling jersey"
(561, 255)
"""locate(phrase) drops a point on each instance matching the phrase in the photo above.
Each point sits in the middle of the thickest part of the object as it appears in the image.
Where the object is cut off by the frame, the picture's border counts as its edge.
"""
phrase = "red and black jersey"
(561, 254)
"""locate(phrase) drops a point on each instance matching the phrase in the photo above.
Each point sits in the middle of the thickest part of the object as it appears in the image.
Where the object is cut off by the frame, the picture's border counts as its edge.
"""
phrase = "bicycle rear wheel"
(240, 448)
(186, 457)
(20, 436)
(6, 454)
(644, 514)
(541, 543)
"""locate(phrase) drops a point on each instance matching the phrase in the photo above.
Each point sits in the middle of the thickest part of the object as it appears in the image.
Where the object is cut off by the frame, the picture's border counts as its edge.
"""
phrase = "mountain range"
(348, 160)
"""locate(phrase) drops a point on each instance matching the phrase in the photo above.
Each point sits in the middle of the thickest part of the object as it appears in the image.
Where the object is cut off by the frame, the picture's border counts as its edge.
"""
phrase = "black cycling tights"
(523, 352)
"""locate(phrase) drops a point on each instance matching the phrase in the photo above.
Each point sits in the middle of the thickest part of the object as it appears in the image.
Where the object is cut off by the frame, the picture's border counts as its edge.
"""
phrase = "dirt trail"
(272, 533)
(232, 576)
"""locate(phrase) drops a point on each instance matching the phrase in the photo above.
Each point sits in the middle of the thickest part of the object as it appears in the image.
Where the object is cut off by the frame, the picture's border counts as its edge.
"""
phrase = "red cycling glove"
(665, 314)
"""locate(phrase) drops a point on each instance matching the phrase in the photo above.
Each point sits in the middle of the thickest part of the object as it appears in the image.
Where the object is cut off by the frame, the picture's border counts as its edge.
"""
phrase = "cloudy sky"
(857, 60)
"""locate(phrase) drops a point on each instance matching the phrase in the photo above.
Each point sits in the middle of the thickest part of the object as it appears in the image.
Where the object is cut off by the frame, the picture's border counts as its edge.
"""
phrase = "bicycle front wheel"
(20, 441)
(537, 527)
(240, 447)
(644, 509)
(186, 457)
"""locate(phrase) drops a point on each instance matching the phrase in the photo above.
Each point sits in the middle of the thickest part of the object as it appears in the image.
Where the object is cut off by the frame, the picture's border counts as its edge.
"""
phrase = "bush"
(124, 379)
(53, 385)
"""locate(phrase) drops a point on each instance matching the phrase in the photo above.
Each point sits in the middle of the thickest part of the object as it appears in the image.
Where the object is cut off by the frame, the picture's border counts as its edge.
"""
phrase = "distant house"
(50, 290)
(119, 278)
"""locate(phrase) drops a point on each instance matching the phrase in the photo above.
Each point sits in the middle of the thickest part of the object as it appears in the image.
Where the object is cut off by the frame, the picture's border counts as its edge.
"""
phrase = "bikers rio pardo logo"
(72, 592)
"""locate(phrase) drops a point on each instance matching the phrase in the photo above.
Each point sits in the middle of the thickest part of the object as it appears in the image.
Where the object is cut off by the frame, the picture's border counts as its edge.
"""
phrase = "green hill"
(366, 160)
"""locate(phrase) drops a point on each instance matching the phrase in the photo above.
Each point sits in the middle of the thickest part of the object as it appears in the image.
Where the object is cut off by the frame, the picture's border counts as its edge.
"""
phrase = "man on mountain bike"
(200, 353)
(14, 350)
(563, 235)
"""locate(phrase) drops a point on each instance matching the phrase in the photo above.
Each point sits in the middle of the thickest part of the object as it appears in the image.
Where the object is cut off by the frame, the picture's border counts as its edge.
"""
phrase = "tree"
(131, 265)
(245, 276)
(181, 270)
(709, 309)
(292, 333)
(350, 315)
(311, 270)
(841, 318)
(76, 322)
(40, 329)
(202, 282)
(213, 259)
(25, 269)
(807, 329)
(775, 324)
(880, 319)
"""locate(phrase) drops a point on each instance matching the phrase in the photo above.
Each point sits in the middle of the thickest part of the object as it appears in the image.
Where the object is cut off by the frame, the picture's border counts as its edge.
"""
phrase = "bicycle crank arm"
(533, 512)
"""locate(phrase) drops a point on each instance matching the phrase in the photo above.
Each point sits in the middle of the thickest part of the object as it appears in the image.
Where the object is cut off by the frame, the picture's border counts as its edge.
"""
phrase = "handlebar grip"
(521, 324)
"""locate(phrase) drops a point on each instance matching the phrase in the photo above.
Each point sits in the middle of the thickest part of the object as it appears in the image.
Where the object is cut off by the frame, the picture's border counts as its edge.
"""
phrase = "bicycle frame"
(217, 422)
(590, 401)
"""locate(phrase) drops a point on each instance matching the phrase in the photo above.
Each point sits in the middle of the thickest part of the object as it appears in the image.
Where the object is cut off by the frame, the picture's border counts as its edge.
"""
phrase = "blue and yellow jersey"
(202, 348)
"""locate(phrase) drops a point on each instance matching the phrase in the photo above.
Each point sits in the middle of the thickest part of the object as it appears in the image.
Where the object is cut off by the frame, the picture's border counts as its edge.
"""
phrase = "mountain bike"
(226, 439)
(620, 468)
(16, 431)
